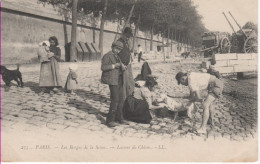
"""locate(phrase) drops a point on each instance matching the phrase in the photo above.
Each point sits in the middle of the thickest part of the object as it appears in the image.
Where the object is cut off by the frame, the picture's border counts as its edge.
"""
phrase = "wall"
(25, 23)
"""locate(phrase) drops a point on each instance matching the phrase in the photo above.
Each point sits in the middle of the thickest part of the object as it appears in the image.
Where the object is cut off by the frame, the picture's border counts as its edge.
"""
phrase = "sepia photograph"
(129, 80)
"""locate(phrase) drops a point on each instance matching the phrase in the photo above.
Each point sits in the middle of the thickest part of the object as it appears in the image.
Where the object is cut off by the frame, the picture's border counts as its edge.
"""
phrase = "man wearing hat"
(198, 81)
(125, 57)
(112, 74)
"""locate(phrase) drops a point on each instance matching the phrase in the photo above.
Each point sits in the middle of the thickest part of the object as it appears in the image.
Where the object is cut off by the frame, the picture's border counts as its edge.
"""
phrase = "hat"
(118, 44)
(128, 31)
(179, 76)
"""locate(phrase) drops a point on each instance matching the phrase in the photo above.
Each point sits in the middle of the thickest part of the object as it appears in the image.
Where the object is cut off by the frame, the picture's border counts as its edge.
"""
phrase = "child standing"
(72, 83)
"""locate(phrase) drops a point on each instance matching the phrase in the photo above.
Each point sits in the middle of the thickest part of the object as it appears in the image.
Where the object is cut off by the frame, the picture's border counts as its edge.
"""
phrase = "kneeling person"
(197, 81)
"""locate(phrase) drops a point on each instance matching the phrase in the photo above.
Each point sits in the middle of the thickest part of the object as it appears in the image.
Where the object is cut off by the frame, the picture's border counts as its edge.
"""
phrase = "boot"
(110, 122)
(123, 122)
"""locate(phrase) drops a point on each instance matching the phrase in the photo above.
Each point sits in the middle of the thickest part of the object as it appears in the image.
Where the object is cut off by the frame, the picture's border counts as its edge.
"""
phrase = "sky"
(214, 20)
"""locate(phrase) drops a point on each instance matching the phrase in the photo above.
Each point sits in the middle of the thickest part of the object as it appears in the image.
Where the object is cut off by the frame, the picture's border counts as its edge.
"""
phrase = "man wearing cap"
(197, 81)
(125, 57)
(112, 74)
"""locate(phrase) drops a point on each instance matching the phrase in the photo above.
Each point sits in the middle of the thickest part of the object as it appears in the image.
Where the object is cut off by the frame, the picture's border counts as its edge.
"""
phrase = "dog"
(9, 75)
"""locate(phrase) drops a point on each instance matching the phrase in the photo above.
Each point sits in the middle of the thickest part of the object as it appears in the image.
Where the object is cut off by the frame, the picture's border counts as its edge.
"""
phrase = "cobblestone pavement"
(27, 108)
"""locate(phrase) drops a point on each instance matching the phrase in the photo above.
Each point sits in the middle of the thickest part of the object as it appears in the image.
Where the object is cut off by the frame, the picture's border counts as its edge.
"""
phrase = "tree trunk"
(94, 36)
(168, 37)
(136, 29)
(73, 55)
(163, 47)
(102, 24)
(171, 41)
(151, 41)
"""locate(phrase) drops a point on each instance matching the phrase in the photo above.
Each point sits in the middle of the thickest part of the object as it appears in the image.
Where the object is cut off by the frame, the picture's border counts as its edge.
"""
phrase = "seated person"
(136, 106)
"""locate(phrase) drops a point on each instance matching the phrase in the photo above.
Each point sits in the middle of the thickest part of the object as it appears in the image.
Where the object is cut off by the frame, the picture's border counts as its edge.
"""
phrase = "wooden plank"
(86, 56)
(80, 52)
(97, 51)
(92, 51)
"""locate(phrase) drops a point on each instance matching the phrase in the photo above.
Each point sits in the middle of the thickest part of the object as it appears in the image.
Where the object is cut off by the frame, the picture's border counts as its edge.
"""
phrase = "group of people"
(133, 100)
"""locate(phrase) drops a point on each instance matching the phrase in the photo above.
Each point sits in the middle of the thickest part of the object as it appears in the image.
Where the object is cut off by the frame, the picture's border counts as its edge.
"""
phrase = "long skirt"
(128, 81)
(136, 110)
(50, 74)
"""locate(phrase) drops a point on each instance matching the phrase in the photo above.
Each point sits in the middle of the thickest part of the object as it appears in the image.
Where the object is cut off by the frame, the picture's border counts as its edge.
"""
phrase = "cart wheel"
(250, 45)
(225, 45)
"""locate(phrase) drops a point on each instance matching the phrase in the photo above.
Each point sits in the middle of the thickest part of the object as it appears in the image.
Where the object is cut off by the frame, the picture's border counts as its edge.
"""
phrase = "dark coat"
(110, 76)
(57, 52)
(125, 53)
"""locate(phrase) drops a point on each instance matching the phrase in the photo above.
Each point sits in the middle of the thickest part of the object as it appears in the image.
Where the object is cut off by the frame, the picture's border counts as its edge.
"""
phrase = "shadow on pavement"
(93, 96)
(86, 107)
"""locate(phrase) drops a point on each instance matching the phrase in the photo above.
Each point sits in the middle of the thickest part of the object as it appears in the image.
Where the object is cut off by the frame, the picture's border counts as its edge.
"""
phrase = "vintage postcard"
(129, 81)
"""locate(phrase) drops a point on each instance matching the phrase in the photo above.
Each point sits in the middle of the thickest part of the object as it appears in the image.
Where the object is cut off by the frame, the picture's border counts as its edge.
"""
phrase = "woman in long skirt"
(50, 77)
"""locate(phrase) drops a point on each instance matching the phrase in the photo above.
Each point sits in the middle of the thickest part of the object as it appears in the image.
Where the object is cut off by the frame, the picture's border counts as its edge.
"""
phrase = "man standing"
(125, 57)
(140, 52)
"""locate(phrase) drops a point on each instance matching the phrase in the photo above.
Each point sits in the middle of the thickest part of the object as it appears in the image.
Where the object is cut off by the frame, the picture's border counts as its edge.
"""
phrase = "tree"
(102, 27)
(73, 55)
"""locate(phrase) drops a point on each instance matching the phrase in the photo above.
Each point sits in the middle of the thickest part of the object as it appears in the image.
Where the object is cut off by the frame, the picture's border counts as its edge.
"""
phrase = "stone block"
(237, 62)
(221, 63)
(244, 56)
(252, 62)
(232, 56)
(241, 68)
(224, 69)
(254, 56)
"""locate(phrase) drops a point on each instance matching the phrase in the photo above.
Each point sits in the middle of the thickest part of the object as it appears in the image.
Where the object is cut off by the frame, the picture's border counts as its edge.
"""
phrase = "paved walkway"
(27, 109)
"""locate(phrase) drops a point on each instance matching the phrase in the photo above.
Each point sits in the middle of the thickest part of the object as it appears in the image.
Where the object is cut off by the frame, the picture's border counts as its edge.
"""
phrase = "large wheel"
(225, 45)
(250, 45)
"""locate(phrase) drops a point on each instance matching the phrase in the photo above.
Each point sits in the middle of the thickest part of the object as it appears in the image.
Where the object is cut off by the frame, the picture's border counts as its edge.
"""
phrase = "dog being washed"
(10, 75)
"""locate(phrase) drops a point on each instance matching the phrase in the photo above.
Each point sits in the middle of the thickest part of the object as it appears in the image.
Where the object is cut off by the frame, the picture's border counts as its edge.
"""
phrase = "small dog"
(9, 75)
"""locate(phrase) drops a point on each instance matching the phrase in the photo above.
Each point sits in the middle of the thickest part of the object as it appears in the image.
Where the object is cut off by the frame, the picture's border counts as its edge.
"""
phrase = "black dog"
(9, 75)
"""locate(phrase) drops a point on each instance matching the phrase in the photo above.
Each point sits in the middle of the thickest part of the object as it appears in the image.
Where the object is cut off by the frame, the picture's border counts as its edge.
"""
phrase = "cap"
(128, 31)
(118, 44)
(179, 76)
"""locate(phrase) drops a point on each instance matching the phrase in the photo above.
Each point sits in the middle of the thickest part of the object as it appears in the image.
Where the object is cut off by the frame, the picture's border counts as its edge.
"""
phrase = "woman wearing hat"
(112, 74)
(197, 81)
